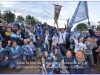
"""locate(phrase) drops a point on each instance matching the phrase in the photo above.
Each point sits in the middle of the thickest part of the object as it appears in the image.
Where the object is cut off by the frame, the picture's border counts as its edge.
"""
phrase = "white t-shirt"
(79, 46)
(54, 40)
(61, 40)
(46, 39)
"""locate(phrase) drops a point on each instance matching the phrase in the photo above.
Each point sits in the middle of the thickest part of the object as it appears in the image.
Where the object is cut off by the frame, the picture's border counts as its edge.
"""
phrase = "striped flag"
(80, 14)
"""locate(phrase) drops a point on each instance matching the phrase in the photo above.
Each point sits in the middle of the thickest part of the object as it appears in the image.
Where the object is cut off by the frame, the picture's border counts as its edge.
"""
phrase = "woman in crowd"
(79, 44)
(68, 61)
(46, 54)
(15, 53)
(6, 35)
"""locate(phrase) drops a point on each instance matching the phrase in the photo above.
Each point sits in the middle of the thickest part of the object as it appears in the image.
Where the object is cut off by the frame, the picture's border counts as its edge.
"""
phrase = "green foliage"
(20, 18)
(31, 20)
(8, 16)
(0, 15)
(98, 27)
(82, 27)
(93, 27)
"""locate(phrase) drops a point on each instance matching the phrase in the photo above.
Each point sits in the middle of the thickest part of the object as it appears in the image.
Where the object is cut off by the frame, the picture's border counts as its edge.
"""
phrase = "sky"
(44, 11)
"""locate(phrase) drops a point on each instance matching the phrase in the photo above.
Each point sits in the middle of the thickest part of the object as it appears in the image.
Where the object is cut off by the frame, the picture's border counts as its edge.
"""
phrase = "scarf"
(1, 49)
(46, 39)
(14, 49)
(15, 36)
(8, 34)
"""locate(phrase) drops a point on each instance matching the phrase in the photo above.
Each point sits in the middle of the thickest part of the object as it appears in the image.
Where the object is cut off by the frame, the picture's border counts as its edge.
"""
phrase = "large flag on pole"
(80, 14)
(57, 9)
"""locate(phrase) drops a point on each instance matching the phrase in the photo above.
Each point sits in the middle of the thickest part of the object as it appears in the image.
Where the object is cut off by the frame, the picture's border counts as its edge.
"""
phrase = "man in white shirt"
(62, 35)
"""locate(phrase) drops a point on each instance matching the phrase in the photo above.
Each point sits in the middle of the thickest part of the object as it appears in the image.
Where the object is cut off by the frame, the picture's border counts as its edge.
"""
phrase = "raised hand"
(88, 22)
(6, 58)
(9, 42)
(68, 20)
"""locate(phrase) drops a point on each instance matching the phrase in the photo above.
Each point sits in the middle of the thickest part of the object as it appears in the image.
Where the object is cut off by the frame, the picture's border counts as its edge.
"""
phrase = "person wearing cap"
(80, 65)
(4, 58)
(95, 36)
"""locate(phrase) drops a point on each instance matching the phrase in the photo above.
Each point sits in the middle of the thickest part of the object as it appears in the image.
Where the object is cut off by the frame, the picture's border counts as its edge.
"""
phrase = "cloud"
(7, 4)
(44, 11)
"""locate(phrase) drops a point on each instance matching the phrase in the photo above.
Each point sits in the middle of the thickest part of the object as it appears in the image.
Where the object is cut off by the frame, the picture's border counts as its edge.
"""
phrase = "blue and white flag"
(16, 22)
(76, 34)
(80, 14)
(20, 24)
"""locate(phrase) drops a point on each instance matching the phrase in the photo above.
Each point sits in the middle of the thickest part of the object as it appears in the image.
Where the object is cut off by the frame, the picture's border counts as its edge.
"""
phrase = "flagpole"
(87, 10)
(54, 24)
(88, 14)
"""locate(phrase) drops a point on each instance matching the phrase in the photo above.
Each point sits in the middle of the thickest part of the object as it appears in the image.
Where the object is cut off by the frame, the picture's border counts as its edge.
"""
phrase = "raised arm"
(58, 30)
(66, 25)
(90, 30)
(57, 24)
(89, 27)
(73, 37)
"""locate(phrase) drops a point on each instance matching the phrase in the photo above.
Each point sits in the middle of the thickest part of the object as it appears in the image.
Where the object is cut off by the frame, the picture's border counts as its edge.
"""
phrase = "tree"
(82, 27)
(31, 20)
(20, 18)
(0, 15)
(8, 16)
(93, 27)
(98, 27)
(99, 22)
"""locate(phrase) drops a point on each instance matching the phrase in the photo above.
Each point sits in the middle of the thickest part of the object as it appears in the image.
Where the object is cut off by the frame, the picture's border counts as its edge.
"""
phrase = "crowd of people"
(59, 50)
